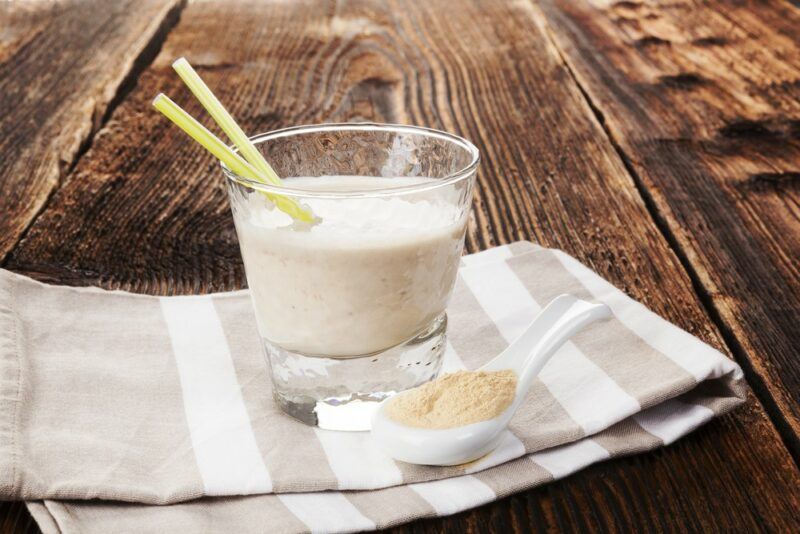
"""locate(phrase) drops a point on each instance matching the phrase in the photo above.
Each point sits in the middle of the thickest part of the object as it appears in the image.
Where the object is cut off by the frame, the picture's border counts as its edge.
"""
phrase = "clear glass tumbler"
(351, 308)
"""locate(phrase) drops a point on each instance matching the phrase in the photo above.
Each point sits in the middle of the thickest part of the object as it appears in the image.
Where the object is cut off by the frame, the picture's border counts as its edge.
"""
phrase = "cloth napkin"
(112, 402)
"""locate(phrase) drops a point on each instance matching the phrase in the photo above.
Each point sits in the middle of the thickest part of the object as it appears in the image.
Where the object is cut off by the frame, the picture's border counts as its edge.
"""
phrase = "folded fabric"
(121, 397)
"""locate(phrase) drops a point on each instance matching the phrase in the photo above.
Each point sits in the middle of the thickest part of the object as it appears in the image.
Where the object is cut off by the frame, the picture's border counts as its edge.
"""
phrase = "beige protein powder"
(456, 399)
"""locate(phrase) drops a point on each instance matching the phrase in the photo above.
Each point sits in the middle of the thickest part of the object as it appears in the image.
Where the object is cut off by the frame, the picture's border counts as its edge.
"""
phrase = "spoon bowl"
(526, 356)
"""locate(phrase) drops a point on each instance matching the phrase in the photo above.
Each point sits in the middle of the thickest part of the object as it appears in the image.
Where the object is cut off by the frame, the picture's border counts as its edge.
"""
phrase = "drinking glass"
(351, 307)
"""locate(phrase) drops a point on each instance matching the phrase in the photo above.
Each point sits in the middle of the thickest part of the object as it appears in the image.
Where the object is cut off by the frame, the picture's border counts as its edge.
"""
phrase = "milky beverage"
(371, 275)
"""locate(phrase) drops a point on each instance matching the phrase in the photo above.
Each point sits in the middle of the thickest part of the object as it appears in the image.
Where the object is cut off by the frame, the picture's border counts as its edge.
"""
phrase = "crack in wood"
(651, 40)
(762, 129)
(548, 174)
(744, 129)
(710, 41)
(100, 117)
(772, 181)
(683, 81)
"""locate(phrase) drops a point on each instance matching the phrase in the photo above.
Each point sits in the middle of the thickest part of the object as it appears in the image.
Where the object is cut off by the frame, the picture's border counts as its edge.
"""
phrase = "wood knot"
(268, 117)
(794, 128)
(768, 128)
(745, 128)
(376, 98)
(213, 67)
(684, 81)
(772, 181)
(710, 41)
(651, 40)
(627, 4)
(376, 83)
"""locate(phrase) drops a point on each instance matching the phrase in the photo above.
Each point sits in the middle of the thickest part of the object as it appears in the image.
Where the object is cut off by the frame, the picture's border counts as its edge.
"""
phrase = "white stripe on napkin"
(223, 441)
(697, 358)
(324, 512)
(356, 460)
(566, 459)
(451, 495)
(511, 307)
(510, 447)
(502, 296)
(487, 256)
(672, 419)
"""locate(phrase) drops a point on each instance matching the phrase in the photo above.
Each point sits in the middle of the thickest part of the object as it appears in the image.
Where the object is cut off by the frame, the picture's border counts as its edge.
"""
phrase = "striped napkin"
(111, 396)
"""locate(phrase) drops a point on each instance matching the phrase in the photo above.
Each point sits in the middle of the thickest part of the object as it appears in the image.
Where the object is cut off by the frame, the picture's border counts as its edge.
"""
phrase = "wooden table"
(658, 142)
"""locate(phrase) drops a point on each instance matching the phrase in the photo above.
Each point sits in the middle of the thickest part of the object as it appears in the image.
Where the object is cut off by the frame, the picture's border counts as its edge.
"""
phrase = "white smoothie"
(371, 275)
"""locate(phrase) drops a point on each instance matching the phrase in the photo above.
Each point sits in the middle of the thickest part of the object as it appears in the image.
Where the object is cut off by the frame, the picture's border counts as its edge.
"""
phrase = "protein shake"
(370, 275)
(349, 271)
(351, 259)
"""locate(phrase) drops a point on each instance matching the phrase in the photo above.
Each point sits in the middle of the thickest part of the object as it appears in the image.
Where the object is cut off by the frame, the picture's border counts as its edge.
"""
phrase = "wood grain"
(145, 210)
(61, 66)
(703, 99)
(15, 519)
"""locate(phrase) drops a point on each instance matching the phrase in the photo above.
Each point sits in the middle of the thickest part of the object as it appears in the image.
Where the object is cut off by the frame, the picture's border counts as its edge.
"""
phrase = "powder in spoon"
(456, 399)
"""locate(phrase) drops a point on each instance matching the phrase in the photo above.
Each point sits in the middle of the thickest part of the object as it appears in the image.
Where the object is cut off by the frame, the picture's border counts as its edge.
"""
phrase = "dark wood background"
(656, 141)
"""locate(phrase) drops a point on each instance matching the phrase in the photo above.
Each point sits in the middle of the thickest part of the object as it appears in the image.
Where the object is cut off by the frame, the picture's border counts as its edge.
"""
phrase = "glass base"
(342, 393)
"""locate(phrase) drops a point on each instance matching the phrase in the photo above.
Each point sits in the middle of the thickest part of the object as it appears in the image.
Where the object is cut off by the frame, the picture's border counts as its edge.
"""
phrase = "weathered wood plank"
(146, 210)
(704, 101)
(15, 519)
(61, 65)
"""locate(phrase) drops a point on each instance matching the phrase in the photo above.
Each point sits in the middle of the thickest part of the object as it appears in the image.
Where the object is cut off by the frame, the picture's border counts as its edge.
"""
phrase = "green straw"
(224, 119)
(226, 155)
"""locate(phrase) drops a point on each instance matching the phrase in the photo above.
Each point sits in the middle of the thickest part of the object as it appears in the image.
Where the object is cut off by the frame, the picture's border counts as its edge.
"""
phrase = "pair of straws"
(253, 166)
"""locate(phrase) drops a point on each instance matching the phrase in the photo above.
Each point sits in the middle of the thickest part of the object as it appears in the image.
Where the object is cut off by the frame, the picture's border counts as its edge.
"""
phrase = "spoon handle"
(555, 324)
(567, 315)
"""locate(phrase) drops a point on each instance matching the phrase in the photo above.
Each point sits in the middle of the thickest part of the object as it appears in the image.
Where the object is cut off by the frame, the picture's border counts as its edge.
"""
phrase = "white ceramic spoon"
(526, 356)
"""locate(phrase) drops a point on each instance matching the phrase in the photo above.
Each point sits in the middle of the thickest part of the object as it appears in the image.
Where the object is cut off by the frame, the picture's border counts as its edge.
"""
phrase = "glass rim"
(451, 178)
